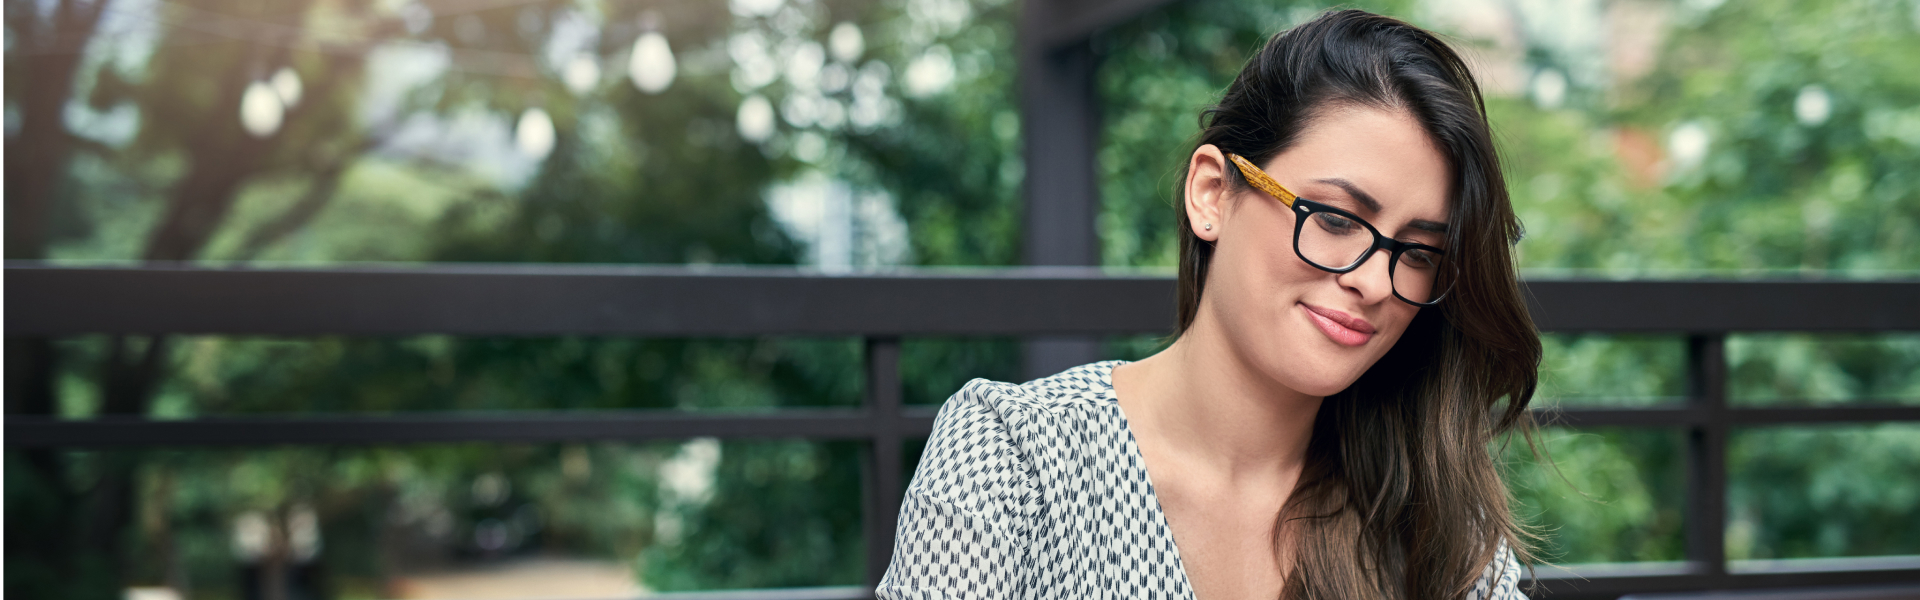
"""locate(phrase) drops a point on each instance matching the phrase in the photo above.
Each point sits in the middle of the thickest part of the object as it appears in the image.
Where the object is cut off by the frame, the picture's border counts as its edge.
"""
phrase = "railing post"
(1707, 456)
(1060, 122)
(880, 473)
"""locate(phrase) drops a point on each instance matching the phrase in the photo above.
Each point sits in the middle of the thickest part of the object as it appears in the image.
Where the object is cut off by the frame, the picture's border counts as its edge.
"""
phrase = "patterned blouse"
(1037, 491)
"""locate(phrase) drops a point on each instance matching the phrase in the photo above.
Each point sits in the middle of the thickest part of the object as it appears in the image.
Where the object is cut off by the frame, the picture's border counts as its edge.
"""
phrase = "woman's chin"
(1326, 390)
(1321, 386)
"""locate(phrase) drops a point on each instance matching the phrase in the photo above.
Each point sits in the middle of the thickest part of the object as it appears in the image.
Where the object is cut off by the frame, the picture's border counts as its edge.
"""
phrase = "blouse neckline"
(1137, 460)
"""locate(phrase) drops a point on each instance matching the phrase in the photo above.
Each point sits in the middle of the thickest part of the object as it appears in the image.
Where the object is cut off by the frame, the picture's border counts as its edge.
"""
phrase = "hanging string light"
(1812, 105)
(847, 42)
(286, 83)
(581, 73)
(534, 134)
(651, 65)
(755, 119)
(261, 109)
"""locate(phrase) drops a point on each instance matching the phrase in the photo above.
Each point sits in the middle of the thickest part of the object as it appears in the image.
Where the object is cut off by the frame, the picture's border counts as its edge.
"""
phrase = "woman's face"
(1310, 330)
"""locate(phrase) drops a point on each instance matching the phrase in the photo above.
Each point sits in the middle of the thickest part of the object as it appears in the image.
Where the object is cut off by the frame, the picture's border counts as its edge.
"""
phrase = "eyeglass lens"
(1335, 242)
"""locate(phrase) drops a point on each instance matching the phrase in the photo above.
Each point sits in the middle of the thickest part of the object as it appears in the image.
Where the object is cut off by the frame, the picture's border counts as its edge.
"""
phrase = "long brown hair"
(1399, 461)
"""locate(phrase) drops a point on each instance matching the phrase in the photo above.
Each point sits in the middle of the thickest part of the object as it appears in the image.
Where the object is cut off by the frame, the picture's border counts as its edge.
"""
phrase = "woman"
(1319, 427)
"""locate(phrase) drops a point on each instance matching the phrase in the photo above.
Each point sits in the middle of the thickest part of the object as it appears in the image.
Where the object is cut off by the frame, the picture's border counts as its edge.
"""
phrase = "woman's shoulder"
(995, 445)
(1036, 403)
(1090, 384)
(1020, 419)
(1500, 579)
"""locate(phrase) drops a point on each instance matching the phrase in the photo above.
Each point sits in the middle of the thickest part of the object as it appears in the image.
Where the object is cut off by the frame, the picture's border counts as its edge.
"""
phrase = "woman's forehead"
(1380, 162)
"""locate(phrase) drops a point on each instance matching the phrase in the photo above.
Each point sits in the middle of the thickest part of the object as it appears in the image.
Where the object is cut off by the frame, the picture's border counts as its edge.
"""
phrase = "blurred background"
(1645, 139)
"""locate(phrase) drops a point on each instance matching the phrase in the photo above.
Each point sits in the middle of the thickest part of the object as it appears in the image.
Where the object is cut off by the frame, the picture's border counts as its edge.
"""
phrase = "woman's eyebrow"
(1367, 200)
(1358, 194)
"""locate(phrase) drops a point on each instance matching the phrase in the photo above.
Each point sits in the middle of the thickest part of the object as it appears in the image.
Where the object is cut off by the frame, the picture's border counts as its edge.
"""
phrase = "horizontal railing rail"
(554, 300)
(567, 426)
(1874, 412)
(755, 301)
(502, 427)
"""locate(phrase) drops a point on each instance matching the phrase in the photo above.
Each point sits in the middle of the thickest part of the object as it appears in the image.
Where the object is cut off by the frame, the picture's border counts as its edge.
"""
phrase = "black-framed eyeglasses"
(1337, 241)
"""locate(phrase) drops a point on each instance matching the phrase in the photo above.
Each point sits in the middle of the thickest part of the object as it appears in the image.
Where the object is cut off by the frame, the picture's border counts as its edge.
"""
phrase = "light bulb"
(651, 65)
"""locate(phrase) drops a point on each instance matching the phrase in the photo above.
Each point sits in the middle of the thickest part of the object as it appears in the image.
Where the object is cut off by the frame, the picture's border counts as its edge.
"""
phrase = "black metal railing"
(544, 300)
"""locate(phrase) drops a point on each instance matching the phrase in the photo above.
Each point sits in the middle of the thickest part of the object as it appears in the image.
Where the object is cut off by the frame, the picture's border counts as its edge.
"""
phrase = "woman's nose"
(1373, 280)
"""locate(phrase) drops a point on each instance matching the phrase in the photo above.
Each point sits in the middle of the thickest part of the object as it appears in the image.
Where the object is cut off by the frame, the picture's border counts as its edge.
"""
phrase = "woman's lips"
(1343, 329)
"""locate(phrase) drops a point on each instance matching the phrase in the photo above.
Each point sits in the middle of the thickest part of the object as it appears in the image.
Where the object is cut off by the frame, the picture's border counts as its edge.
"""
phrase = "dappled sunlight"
(850, 141)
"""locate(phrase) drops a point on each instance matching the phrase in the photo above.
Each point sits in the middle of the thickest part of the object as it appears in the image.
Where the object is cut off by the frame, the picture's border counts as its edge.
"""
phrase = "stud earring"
(1208, 227)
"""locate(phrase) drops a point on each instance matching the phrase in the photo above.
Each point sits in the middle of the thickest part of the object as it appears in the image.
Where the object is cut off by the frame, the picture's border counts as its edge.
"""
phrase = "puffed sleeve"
(961, 532)
(1501, 579)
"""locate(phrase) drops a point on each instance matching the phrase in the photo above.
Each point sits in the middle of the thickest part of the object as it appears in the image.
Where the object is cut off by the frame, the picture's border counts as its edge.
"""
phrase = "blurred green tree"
(227, 161)
(1767, 136)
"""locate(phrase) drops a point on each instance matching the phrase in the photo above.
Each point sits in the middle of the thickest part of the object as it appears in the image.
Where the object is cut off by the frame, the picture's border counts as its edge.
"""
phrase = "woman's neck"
(1203, 404)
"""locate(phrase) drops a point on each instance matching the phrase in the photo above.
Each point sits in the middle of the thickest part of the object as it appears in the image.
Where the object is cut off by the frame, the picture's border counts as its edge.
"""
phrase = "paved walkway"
(522, 579)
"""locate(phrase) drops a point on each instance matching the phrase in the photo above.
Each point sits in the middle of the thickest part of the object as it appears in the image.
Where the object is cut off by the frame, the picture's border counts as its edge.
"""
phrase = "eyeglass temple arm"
(1260, 180)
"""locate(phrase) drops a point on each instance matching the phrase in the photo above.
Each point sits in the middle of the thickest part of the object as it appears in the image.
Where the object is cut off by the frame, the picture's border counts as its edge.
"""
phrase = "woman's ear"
(1206, 192)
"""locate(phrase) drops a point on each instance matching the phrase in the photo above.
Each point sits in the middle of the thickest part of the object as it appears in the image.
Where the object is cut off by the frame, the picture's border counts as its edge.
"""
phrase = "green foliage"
(630, 177)
(668, 177)
(35, 514)
(1801, 492)
(1800, 109)
(953, 163)
(932, 369)
(782, 514)
(1823, 369)
(1610, 495)
(1603, 370)
(350, 375)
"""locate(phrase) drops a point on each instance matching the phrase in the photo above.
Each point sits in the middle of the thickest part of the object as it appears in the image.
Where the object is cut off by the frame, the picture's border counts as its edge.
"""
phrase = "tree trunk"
(36, 166)
(37, 156)
(220, 162)
(128, 380)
